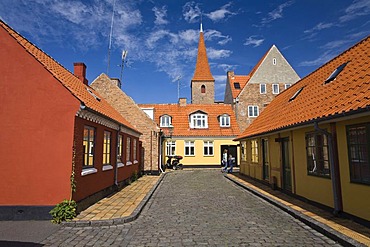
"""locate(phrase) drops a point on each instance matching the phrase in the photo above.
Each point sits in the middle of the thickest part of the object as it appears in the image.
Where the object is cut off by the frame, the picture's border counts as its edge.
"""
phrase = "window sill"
(136, 162)
(128, 163)
(120, 164)
(107, 167)
(88, 171)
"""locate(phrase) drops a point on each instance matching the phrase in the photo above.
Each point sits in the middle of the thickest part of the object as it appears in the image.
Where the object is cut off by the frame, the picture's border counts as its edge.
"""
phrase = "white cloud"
(217, 54)
(323, 58)
(276, 13)
(356, 9)
(221, 13)
(191, 12)
(226, 67)
(189, 36)
(214, 34)
(160, 15)
(335, 44)
(319, 27)
(254, 40)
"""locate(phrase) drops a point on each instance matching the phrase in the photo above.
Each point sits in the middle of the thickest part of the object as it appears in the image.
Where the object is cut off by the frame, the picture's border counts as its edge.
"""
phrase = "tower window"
(203, 89)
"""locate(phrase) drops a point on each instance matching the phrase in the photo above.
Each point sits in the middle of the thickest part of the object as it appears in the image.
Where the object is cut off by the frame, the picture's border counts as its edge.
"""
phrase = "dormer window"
(198, 121)
(224, 120)
(236, 85)
(336, 72)
(94, 95)
(165, 121)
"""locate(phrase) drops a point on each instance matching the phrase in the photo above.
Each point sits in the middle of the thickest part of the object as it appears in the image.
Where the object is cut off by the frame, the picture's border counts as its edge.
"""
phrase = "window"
(317, 154)
(119, 149)
(89, 143)
(287, 85)
(274, 61)
(296, 94)
(203, 89)
(358, 140)
(254, 145)
(262, 88)
(134, 147)
(275, 88)
(225, 120)
(128, 149)
(236, 85)
(198, 120)
(189, 148)
(170, 148)
(165, 121)
(208, 148)
(94, 95)
(336, 72)
(106, 148)
(244, 151)
(252, 111)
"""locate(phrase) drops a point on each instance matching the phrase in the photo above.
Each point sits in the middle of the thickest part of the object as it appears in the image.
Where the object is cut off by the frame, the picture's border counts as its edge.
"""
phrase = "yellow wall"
(199, 158)
(356, 197)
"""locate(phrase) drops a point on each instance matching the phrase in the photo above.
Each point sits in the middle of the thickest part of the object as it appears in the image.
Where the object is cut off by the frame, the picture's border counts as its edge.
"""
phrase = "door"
(287, 179)
(265, 160)
(233, 150)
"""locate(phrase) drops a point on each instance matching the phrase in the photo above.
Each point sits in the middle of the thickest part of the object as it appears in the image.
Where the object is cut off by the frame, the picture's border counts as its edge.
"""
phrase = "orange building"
(52, 123)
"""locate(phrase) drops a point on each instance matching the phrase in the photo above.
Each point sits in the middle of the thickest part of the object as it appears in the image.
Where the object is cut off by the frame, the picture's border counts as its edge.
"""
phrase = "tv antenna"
(110, 36)
(178, 86)
(124, 55)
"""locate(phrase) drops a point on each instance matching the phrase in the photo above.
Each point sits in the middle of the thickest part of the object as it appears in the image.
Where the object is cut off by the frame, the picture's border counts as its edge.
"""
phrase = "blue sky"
(161, 37)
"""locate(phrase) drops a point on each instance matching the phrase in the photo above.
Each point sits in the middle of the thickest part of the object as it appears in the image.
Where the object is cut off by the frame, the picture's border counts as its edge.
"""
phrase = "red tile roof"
(181, 114)
(69, 80)
(348, 94)
(202, 70)
(242, 79)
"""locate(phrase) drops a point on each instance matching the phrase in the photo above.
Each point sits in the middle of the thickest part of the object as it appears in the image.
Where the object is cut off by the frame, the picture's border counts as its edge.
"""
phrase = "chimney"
(116, 82)
(80, 72)
(182, 101)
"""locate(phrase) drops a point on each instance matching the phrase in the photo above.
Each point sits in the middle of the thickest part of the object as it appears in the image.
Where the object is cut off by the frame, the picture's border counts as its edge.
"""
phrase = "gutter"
(333, 170)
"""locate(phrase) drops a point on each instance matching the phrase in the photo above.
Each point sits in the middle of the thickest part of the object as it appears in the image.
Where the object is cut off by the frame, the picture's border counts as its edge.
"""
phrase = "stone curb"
(117, 221)
(318, 226)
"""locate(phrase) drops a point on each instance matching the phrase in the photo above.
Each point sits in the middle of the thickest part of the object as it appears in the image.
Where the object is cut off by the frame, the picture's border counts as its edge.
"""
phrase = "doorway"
(286, 166)
(265, 160)
(233, 150)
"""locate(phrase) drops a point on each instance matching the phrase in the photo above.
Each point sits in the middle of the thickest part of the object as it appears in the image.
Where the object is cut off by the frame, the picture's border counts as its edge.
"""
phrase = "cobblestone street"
(198, 207)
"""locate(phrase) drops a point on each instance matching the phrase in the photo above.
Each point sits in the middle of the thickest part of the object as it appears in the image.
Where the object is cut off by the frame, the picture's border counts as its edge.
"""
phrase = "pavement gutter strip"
(318, 226)
(117, 221)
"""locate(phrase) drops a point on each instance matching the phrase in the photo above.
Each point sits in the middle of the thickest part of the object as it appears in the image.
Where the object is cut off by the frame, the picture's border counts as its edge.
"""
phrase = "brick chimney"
(182, 101)
(80, 72)
(116, 82)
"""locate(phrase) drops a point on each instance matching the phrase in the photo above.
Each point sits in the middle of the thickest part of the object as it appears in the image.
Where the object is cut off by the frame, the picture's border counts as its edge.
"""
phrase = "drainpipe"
(333, 171)
(160, 153)
(116, 168)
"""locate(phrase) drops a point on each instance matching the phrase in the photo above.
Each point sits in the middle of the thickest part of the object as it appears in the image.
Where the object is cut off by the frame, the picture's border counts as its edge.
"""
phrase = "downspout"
(333, 171)
(160, 154)
(116, 168)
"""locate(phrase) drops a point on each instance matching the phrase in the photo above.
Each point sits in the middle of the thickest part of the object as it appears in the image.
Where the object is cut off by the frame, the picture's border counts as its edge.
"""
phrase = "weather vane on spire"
(201, 26)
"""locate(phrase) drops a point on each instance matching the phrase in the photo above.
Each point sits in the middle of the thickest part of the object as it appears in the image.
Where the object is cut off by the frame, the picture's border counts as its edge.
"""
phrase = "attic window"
(336, 72)
(296, 94)
(236, 85)
(94, 95)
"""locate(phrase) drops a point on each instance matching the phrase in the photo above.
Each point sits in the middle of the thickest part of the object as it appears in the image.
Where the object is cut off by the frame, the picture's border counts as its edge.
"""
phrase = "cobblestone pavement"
(195, 208)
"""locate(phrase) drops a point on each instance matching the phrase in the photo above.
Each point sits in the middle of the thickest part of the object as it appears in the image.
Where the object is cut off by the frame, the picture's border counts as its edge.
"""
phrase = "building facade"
(313, 140)
(250, 94)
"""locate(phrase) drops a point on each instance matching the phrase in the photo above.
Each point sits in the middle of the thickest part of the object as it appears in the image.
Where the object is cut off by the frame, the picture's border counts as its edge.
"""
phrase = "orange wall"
(36, 138)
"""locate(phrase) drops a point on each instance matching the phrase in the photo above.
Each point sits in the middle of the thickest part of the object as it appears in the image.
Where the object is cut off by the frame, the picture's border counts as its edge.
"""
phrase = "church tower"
(203, 83)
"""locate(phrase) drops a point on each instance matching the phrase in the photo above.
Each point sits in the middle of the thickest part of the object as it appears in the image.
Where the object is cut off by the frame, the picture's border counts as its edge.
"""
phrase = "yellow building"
(313, 140)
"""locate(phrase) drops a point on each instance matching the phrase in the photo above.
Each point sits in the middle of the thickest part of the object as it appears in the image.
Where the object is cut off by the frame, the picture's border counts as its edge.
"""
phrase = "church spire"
(202, 69)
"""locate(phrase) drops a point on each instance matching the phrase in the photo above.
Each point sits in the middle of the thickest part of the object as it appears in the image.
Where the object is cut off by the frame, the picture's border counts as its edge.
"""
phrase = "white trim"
(253, 108)
(107, 167)
(120, 164)
(88, 171)
(136, 162)
(261, 88)
(128, 163)
(278, 88)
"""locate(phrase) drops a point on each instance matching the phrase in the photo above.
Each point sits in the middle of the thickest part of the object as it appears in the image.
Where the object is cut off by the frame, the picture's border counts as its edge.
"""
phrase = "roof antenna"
(124, 55)
(110, 37)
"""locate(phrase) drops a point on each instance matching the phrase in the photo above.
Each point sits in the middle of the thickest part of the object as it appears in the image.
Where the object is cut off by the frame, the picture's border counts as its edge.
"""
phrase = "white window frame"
(273, 88)
(170, 148)
(189, 148)
(287, 85)
(206, 146)
(225, 120)
(199, 121)
(263, 85)
(254, 109)
(165, 121)
(274, 61)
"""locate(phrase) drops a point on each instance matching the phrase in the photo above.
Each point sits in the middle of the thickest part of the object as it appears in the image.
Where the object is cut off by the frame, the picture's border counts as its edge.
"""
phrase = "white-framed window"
(189, 148)
(165, 121)
(106, 148)
(208, 148)
(253, 111)
(275, 88)
(254, 147)
(119, 148)
(88, 145)
(225, 120)
(262, 88)
(287, 85)
(134, 147)
(199, 120)
(170, 148)
(128, 149)
(274, 61)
